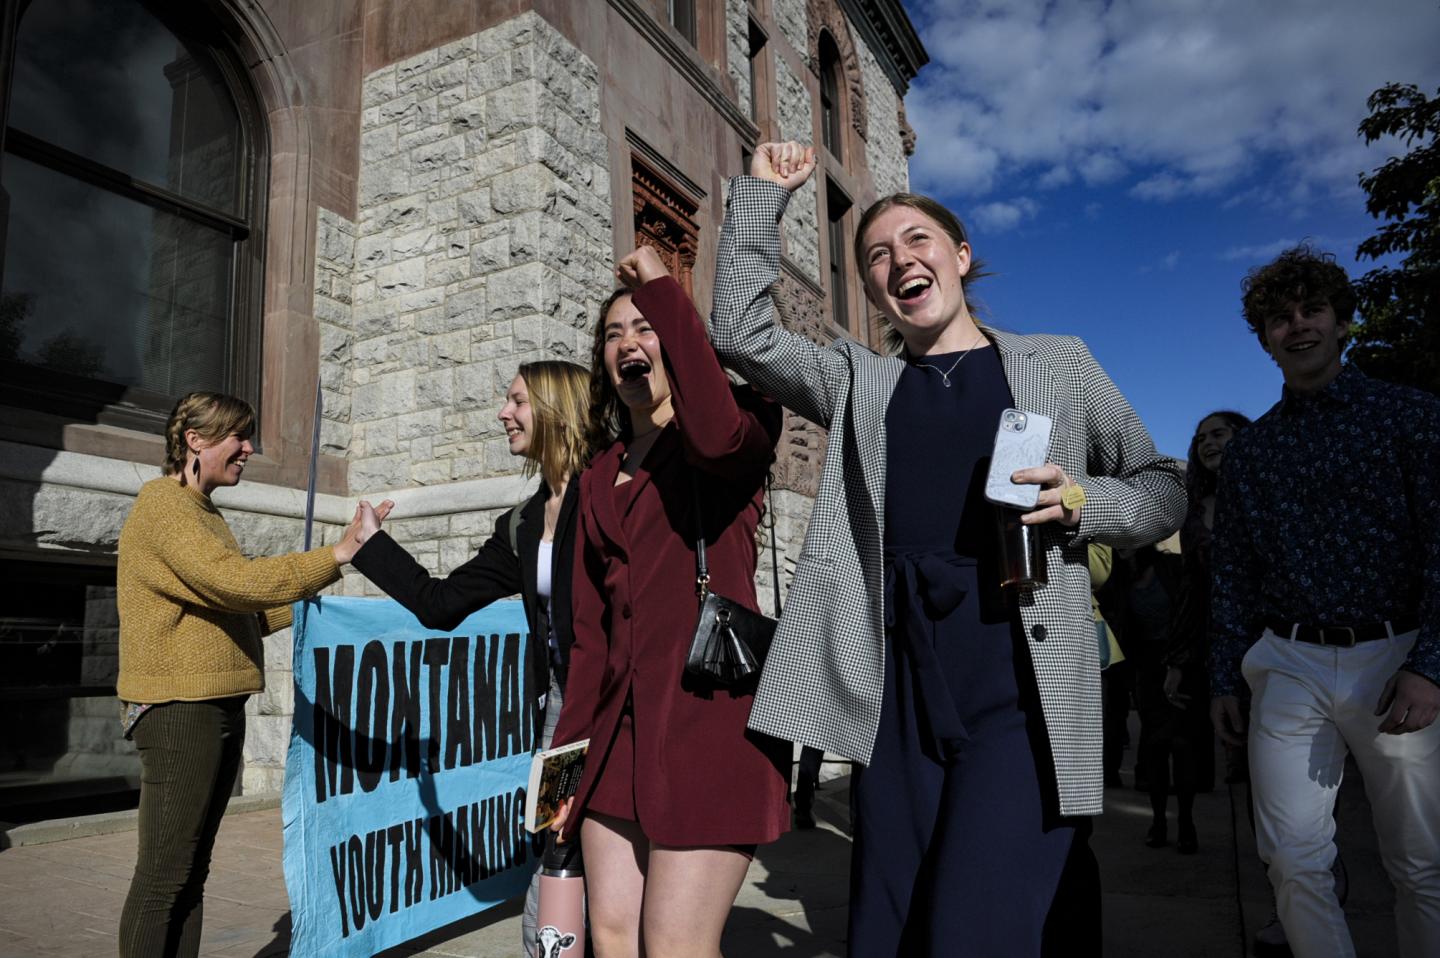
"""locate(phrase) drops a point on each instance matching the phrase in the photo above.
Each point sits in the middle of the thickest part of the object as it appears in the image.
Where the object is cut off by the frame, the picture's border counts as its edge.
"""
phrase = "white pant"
(1312, 705)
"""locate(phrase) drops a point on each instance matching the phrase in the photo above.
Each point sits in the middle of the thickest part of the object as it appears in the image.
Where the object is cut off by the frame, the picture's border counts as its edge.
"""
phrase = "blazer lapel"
(601, 477)
(527, 545)
(1031, 381)
(667, 444)
(875, 382)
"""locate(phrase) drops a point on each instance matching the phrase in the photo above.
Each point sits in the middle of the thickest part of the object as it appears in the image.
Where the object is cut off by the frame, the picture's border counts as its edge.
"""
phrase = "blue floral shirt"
(1328, 513)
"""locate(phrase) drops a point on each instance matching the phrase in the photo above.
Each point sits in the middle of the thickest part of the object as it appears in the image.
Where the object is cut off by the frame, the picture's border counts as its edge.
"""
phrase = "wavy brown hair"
(213, 415)
(560, 400)
(609, 419)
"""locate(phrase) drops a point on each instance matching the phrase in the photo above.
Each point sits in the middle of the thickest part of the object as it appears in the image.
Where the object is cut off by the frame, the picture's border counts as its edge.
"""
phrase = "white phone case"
(1022, 441)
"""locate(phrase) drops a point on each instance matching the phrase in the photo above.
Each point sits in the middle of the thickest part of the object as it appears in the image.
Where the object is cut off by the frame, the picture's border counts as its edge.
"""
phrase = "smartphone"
(1021, 442)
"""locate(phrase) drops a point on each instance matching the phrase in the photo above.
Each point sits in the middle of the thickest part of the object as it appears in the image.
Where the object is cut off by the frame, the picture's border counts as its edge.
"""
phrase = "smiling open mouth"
(913, 288)
(633, 369)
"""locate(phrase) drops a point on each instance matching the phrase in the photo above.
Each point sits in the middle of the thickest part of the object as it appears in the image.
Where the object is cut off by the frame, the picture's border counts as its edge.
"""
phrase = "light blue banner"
(405, 779)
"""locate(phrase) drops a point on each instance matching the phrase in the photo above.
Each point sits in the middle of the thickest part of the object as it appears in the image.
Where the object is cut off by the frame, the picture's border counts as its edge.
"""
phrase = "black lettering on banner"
(437, 653)
(414, 867)
(457, 713)
(511, 705)
(442, 847)
(332, 723)
(481, 868)
(405, 719)
(372, 689)
(520, 838)
(374, 877)
(396, 835)
(337, 868)
(357, 880)
(486, 739)
(463, 876)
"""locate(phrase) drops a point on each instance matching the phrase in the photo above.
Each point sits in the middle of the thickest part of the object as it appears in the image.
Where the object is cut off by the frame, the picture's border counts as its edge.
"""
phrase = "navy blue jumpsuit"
(958, 848)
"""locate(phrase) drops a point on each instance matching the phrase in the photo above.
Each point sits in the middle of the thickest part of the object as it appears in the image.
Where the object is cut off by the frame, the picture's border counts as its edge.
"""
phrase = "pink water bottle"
(560, 923)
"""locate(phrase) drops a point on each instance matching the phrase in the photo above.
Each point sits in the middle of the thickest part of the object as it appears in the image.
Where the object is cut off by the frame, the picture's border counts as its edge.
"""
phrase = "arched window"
(132, 206)
(831, 126)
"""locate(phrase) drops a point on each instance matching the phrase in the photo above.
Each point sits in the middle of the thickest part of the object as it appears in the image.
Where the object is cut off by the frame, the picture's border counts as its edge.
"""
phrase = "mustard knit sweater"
(192, 607)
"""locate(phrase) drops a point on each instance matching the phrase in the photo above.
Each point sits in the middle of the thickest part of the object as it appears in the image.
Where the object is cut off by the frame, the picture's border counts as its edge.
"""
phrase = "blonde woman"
(532, 551)
(193, 609)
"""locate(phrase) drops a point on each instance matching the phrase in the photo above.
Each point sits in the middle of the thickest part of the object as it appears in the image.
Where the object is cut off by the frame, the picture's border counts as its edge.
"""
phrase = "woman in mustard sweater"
(192, 611)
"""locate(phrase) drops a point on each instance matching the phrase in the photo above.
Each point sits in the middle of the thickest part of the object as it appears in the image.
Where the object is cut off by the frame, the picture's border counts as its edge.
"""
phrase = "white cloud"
(1170, 260)
(999, 216)
(1179, 97)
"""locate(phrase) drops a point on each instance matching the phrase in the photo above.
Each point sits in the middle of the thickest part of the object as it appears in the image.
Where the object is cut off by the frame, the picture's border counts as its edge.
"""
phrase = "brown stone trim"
(665, 220)
(687, 62)
(825, 16)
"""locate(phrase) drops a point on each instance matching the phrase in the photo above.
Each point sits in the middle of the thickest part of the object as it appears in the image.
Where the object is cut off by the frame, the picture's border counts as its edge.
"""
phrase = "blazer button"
(625, 611)
(1038, 633)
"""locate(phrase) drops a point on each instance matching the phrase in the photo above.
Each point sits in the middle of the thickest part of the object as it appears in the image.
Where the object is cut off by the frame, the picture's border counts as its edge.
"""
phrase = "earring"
(196, 467)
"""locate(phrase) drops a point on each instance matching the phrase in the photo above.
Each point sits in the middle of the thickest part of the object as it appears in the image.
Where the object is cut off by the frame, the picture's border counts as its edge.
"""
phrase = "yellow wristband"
(1073, 497)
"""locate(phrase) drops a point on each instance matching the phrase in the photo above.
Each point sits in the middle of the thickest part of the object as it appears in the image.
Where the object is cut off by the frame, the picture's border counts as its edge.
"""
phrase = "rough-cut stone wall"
(793, 21)
(802, 230)
(334, 268)
(737, 51)
(483, 241)
(884, 150)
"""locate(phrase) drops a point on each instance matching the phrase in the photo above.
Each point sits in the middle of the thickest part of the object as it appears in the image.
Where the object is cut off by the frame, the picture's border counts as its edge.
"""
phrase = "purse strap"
(702, 567)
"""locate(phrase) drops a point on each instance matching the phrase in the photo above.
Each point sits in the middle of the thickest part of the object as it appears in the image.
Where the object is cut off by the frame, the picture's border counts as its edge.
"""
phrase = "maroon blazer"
(700, 777)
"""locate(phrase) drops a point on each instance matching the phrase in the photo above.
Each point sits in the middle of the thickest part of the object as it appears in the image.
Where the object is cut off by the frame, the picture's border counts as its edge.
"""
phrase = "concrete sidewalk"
(63, 898)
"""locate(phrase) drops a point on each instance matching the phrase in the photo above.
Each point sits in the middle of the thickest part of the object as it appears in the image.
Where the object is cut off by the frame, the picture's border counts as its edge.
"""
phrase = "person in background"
(1325, 603)
(1115, 678)
(977, 715)
(193, 610)
(676, 793)
(531, 552)
(1148, 581)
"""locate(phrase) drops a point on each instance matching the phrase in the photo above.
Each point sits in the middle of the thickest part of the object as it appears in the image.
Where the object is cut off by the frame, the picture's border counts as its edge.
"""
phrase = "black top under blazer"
(496, 571)
(823, 680)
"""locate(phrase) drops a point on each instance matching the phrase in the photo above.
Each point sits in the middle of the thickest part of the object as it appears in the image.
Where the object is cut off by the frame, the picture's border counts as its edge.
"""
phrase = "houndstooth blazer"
(823, 680)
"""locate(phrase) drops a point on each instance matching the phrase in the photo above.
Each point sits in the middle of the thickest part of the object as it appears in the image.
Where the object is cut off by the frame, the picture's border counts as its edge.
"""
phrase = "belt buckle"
(1325, 639)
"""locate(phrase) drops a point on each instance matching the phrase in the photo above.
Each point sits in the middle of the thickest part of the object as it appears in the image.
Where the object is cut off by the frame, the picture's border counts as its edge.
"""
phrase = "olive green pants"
(189, 755)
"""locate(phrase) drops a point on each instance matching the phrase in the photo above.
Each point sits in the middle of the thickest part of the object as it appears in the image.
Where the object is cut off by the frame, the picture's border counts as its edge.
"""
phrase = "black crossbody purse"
(730, 641)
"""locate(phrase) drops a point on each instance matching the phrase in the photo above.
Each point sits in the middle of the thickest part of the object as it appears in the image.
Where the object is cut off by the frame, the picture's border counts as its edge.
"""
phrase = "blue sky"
(1120, 165)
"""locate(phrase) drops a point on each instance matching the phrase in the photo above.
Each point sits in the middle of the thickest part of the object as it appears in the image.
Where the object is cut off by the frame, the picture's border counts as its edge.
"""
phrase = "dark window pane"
(837, 205)
(682, 17)
(830, 96)
(103, 287)
(106, 80)
(61, 749)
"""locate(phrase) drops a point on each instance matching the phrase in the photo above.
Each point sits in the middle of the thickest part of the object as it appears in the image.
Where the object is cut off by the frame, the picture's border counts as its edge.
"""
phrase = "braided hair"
(213, 415)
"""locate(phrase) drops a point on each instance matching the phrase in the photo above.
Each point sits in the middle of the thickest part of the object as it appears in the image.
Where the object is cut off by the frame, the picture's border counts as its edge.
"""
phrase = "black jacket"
(496, 571)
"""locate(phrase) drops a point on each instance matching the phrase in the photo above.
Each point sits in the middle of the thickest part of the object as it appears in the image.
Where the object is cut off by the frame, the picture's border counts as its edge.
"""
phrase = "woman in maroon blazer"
(676, 793)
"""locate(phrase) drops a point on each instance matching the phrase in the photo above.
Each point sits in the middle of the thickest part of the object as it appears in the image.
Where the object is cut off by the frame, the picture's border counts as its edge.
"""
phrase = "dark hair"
(1298, 275)
(608, 416)
(213, 415)
(948, 222)
(1199, 480)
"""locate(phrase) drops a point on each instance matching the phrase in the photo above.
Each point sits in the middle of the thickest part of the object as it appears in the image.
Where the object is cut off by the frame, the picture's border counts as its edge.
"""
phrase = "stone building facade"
(426, 194)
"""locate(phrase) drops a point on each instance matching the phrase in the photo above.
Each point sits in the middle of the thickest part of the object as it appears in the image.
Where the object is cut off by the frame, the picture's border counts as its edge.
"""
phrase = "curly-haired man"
(1326, 603)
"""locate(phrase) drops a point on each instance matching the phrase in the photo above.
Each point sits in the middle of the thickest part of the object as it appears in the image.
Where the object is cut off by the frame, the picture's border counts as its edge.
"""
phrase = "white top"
(543, 586)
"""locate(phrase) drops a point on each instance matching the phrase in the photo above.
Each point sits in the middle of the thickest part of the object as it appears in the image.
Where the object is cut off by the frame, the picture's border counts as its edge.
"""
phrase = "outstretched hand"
(640, 267)
(365, 523)
(787, 164)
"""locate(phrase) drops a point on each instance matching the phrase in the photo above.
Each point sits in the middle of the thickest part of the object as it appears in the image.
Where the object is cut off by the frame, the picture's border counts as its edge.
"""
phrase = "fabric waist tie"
(921, 587)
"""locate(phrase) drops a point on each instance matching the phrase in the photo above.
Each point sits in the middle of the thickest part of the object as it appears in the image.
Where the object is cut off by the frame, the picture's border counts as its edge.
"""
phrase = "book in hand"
(554, 777)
